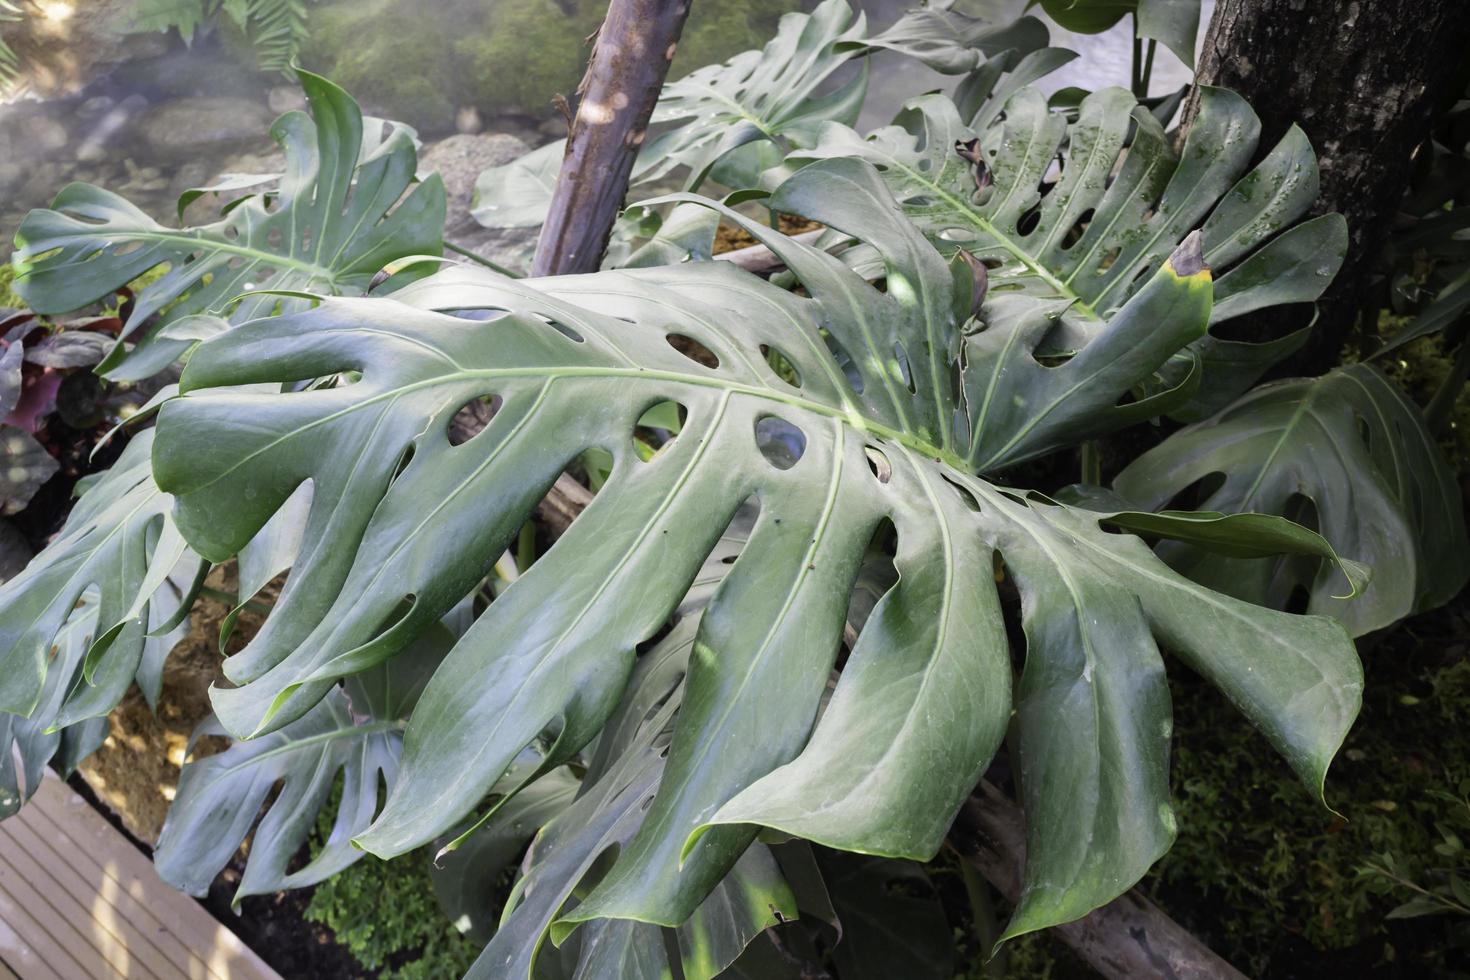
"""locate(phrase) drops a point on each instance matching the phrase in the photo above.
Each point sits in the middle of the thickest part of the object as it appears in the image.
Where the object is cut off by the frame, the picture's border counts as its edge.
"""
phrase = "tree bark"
(630, 59)
(1363, 78)
(1127, 939)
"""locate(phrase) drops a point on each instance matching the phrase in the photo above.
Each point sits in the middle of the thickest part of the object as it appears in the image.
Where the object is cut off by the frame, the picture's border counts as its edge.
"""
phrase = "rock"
(284, 98)
(112, 125)
(467, 119)
(187, 127)
(458, 160)
(29, 131)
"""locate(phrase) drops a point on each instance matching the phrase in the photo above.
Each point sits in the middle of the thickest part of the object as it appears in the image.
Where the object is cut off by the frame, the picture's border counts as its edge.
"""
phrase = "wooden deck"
(79, 902)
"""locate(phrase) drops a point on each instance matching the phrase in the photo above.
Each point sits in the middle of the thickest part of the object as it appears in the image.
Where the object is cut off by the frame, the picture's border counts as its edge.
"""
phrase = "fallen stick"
(1130, 938)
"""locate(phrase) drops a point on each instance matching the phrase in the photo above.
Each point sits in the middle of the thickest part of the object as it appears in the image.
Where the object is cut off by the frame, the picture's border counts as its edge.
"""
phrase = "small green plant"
(386, 914)
(275, 29)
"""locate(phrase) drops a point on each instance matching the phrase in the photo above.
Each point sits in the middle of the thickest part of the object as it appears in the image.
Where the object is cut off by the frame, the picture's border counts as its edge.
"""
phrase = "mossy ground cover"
(1269, 879)
(1274, 882)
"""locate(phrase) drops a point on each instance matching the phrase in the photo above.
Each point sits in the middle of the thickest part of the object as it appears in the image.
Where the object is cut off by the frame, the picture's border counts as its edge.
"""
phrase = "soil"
(276, 928)
(730, 237)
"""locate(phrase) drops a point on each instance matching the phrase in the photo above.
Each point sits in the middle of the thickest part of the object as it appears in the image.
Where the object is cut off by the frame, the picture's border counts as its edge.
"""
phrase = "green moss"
(8, 296)
(391, 56)
(525, 53)
(419, 62)
(716, 31)
(1271, 879)
(385, 914)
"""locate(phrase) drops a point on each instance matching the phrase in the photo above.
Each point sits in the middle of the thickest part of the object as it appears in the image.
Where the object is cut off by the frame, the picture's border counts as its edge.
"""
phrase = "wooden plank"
(114, 923)
(18, 932)
(85, 861)
(78, 871)
(58, 939)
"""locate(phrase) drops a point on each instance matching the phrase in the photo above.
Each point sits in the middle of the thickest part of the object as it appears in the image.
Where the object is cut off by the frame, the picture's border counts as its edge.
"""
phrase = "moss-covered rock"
(419, 62)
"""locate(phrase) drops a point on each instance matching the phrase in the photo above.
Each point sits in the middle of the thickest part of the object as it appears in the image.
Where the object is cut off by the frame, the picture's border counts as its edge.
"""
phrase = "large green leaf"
(1346, 453)
(1089, 237)
(354, 734)
(28, 744)
(829, 451)
(1173, 22)
(337, 217)
(120, 541)
(621, 780)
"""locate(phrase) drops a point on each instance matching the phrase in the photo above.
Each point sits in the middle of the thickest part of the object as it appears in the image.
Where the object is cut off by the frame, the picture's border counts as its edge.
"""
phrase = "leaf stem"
(1135, 73)
(250, 605)
(495, 266)
(982, 911)
(1090, 457)
(1148, 69)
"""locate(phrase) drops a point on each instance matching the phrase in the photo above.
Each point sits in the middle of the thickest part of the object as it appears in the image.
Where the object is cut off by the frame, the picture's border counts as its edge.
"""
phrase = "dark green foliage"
(385, 914)
(1266, 877)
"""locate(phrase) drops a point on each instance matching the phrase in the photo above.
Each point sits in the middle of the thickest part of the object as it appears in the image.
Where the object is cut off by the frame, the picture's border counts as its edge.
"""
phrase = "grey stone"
(458, 160)
(185, 127)
(284, 98)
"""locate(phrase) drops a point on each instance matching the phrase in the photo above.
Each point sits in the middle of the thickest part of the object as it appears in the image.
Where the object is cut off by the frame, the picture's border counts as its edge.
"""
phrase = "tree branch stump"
(625, 74)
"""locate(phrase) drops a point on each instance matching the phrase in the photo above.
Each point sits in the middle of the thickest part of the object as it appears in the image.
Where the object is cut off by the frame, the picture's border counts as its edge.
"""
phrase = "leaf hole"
(844, 361)
(693, 349)
(472, 418)
(780, 442)
(905, 373)
(1074, 233)
(781, 364)
(657, 428)
(878, 464)
(1197, 494)
(967, 496)
(876, 576)
(1029, 222)
(562, 329)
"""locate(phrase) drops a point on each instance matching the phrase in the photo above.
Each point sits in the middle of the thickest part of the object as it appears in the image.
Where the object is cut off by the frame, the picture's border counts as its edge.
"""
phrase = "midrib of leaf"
(296, 745)
(941, 632)
(1088, 653)
(255, 254)
(1399, 469)
(1286, 430)
(969, 214)
(857, 421)
(818, 535)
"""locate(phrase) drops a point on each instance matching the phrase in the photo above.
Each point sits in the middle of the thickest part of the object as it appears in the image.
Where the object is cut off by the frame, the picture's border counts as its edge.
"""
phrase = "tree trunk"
(1363, 78)
(629, 60)
(1127, 939)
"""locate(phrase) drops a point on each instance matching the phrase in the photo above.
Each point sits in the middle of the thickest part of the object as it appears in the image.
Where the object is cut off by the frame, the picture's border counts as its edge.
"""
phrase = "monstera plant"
(891, 398)
(825, 579)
